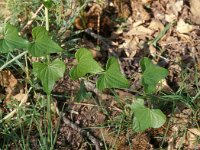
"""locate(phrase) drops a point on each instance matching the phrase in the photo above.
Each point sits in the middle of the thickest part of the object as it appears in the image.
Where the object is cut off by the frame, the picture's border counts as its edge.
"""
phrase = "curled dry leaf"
(183, 27)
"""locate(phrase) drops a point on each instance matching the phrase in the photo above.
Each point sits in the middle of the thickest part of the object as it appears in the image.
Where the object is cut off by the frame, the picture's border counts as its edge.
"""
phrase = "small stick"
(94, 140)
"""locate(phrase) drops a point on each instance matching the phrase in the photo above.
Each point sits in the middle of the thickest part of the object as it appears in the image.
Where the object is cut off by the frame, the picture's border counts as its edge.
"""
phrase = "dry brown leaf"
(183, 27)
(140, 30)
(185, 37)
(138, 11)
(7, 79)
(170, 18)
(156, 25)
(174, 7)
(195, 131)
(192, 137)
(20, 97)
(130, 47)
(195, 10)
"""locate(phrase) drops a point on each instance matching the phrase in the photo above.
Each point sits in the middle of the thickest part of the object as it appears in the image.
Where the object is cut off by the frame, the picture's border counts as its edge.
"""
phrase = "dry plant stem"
(94, 140)
(32, 18)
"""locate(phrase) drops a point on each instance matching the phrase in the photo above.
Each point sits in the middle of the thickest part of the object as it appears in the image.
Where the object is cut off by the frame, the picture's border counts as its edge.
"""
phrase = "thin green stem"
(14, 59)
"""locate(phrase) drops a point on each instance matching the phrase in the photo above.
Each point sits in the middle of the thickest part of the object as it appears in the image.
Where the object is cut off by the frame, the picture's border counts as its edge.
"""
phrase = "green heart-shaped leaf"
(86, 64)
(151, 75)
(42, 44)
(145, 118)
(11, 40)
(49, 73)
(112, 77)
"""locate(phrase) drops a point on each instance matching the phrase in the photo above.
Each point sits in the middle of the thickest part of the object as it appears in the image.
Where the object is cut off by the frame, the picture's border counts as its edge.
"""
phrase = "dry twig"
(94, 140)
(32, 18)
(67, 121)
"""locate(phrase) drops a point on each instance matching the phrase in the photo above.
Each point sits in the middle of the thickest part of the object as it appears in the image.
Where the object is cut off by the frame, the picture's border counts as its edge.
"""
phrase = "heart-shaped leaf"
(11, 40)
(112, 77)
(86, 64)
(49, 73)
(42, 44)
(145, 118)
(151, 75)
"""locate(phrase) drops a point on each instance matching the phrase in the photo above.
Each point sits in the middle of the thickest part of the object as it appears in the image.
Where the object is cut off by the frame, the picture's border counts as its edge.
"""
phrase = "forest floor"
(167, 32)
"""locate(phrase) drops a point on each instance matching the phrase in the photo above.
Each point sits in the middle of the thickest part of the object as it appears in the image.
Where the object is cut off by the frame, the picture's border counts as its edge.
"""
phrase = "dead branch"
(94, 140)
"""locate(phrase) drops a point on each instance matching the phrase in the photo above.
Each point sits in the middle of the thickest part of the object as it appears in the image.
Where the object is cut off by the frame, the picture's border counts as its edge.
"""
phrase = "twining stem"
(15, 58)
